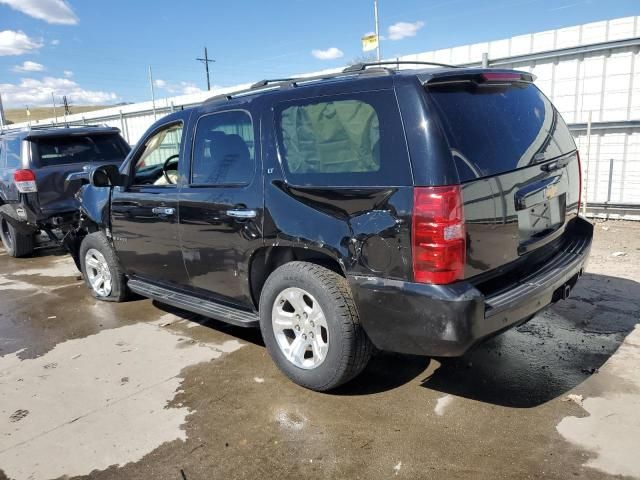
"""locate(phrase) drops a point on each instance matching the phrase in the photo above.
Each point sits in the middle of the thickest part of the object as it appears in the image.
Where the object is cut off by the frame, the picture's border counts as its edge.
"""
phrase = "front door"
(145, 212)
(221, 206)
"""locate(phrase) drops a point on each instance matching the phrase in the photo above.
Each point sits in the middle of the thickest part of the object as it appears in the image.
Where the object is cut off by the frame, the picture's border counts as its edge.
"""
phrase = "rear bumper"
(448, 320)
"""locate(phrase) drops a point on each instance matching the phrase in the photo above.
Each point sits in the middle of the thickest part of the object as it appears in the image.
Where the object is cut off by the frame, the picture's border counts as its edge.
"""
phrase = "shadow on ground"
(524, 367)
(553, 353)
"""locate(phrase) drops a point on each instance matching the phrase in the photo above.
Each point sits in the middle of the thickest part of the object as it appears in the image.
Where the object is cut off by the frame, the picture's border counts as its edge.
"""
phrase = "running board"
(193, 304)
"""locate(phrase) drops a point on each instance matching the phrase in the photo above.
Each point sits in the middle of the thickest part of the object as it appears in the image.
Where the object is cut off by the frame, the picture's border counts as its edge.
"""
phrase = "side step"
(197, 305)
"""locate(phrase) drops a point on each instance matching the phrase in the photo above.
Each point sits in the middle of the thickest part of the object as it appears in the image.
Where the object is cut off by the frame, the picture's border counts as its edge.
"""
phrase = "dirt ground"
(140, 391)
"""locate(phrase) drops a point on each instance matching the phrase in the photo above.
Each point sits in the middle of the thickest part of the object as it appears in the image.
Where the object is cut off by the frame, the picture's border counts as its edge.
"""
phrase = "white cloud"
(31, 91)
(17, 43)
(28, 66)
(51, 11)
(180, 88)
(68, 73)
(401, 30)
(328, 54)
(55, 42)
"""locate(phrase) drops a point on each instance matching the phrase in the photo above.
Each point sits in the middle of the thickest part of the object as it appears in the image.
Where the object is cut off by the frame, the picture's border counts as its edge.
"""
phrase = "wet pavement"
(140, 390)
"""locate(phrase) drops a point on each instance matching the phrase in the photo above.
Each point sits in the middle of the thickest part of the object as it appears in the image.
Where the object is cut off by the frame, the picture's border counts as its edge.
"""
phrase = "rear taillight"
(438, 234)
(579, 182)
(25, 181)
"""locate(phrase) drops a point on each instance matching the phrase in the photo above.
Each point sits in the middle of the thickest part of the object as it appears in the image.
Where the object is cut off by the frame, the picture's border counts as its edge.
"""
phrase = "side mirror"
(106, 176)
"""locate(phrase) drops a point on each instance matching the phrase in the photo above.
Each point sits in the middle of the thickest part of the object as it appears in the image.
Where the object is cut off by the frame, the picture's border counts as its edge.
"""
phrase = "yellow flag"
(369, 42)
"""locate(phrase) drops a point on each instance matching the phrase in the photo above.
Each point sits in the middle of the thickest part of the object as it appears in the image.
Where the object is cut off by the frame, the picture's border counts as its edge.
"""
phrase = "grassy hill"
(17, 115)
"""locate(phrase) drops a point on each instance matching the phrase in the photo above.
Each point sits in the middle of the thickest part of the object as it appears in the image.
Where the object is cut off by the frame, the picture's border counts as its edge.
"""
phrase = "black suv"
(34, 166)
(417, 211)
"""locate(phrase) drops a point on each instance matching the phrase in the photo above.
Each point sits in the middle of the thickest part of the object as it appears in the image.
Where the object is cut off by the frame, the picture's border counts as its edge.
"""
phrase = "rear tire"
(335, 348)
(15, 243)
(101, 270)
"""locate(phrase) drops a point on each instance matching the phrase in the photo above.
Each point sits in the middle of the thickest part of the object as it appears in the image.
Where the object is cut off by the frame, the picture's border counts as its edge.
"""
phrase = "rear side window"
(51, 151)
(14, 153)
(346, 140)
(223, 149)
(492, 130)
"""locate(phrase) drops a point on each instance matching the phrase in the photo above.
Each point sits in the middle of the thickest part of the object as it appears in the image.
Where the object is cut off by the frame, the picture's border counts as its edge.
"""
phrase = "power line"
(206, 62)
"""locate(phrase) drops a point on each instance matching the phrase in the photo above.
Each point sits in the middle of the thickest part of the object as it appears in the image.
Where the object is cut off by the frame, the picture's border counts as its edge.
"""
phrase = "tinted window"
(496, 129)
(14, 153)
(78, 149)
(223, 149)
(345, 140)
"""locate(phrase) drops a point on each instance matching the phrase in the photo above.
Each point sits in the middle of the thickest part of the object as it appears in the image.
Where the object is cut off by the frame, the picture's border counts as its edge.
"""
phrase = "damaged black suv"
(35, 163)
(417, 211)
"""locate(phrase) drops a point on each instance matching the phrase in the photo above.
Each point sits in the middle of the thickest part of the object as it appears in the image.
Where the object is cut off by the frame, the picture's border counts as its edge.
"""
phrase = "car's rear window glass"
(14, 153)
(343, 140)
(492, 130)
(79, 149)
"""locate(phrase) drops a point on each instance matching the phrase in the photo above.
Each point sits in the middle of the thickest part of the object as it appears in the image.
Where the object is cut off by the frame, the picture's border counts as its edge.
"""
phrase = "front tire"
(101, 270)
(15, 243)
(311, 327)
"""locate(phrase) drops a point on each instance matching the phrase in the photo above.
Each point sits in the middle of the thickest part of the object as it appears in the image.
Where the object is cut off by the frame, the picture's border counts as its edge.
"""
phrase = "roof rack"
(277, 83)
(360, 67)
(47, 126)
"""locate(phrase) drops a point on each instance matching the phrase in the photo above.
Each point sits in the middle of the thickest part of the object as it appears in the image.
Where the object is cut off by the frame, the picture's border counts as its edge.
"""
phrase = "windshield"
(79, 149)
(492, 130)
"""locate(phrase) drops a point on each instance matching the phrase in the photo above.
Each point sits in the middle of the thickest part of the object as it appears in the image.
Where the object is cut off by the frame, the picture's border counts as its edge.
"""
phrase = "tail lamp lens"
(25, 181)
(438, 234)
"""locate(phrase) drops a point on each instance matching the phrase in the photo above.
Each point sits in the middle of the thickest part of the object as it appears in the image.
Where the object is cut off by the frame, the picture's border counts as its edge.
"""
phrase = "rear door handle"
(242, 213)
(163, 211)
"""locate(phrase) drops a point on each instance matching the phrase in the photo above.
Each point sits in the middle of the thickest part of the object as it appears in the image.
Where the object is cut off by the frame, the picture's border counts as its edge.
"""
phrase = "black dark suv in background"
(418, 211)
(34, 165)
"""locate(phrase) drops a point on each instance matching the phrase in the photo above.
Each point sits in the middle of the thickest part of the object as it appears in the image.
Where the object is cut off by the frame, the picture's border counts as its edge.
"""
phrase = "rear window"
(492, 130)
(343, 140)
(51, 151)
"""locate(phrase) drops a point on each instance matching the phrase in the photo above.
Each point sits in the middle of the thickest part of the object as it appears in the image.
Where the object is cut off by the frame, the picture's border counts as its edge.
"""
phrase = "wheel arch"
(267, 259)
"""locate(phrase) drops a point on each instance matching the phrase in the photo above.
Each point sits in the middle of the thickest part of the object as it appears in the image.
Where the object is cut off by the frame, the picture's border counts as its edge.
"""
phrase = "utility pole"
(55, 114)
(2, 121)
(67, 111)
(153, 94)
(206, 62)
(375, 12)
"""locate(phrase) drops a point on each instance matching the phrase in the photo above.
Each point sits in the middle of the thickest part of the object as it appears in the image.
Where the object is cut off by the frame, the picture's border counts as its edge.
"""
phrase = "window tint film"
(492, 130)
(343, 141)
(223, 150)
(158, 164)
(78, 149)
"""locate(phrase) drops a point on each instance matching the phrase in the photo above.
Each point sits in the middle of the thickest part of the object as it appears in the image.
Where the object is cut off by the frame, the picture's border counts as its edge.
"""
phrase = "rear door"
(517, 162)
(221, 205)
(54, 157)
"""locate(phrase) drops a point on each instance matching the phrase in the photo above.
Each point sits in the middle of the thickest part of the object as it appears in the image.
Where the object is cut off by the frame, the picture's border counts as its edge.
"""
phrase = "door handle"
(163, 210)
(242, 213)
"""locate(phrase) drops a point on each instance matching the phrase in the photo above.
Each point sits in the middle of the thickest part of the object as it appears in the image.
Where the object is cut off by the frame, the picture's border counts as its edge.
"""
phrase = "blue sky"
(99, 52)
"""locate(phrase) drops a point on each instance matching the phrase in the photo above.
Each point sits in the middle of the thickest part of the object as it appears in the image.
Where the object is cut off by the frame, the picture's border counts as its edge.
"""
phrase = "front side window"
(223, 149)
(158, 163)
(349, 140)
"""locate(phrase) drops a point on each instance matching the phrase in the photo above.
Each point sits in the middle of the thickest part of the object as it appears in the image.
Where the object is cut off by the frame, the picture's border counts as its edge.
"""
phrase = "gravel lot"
(139, 390)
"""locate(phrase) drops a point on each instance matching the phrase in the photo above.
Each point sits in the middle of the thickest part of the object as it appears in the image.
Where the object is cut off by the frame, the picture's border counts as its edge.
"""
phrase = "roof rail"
(47, 126)
(265, 82)
(359, 67)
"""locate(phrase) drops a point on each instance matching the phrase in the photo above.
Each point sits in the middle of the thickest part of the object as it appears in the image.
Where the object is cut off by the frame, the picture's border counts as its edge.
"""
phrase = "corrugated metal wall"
(588, 71)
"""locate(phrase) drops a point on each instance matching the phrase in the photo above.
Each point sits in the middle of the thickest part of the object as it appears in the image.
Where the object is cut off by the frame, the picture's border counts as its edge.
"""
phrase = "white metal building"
(591, 72)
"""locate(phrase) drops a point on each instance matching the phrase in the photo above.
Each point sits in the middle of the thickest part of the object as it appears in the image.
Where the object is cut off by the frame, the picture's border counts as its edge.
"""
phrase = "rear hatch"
(517, 163)
(54, 157)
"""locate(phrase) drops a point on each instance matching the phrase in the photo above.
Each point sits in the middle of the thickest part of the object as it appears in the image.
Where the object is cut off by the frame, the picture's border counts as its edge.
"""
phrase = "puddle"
(69, 419)
(611, 428)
